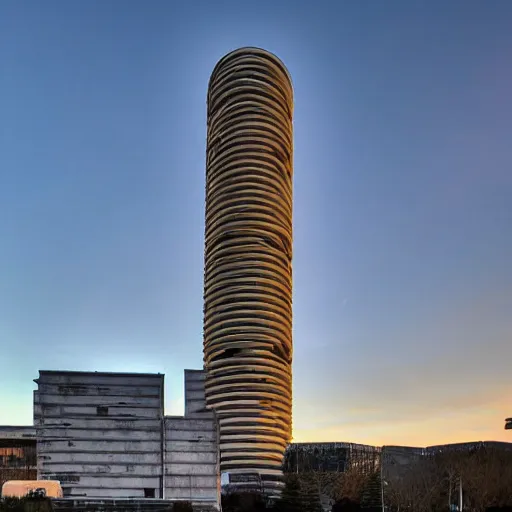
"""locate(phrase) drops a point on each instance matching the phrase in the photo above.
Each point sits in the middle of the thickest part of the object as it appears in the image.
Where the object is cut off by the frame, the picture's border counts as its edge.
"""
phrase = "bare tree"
(419, 489)
(484, 474)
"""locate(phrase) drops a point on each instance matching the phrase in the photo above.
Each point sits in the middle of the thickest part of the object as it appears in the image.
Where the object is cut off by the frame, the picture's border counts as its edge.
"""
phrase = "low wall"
(128, 505)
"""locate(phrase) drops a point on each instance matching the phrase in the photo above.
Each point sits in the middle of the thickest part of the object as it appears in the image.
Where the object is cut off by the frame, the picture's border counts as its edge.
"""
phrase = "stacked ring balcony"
(248, 260)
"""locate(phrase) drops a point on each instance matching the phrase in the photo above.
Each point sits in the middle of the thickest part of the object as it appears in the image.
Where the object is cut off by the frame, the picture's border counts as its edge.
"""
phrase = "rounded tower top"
(251, 51)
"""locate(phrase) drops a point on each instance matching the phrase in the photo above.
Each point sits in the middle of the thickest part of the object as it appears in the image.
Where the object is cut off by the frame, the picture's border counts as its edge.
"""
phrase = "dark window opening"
(230, 352)
(149, 493)
(102, 410)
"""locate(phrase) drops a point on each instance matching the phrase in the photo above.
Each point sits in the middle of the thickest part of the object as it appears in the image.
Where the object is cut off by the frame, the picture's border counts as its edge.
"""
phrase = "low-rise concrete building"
(105, 436)
(100, 434)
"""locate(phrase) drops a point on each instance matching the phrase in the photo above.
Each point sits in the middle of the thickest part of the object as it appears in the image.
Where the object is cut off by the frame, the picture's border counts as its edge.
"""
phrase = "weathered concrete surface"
(191, 448)
(104, 436)
(195, 400)
(100, 434)
(14, 432)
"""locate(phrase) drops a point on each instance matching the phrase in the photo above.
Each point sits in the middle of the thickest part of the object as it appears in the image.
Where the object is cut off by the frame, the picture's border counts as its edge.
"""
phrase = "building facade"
(248, 261)
(105, 435)
(331, 457)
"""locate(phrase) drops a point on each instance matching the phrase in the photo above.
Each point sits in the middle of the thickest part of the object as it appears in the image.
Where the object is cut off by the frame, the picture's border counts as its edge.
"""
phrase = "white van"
(21, 488)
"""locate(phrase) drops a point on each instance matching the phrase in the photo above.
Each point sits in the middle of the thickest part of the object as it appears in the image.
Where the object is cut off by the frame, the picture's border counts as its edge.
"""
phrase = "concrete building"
(248, 262)
(105, 435)
(100, 434)
(331, 458)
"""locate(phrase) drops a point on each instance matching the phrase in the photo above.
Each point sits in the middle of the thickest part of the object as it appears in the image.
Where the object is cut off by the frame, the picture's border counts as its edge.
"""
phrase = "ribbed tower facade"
(248, 260)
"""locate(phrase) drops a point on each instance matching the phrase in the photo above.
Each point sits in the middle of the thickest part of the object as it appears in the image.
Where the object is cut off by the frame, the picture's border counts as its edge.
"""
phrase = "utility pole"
(460, 494)
(450, 493)
(382, 480)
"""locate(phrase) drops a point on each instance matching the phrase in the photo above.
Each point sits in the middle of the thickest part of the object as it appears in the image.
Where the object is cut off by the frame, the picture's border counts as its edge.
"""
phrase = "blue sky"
(403, 202)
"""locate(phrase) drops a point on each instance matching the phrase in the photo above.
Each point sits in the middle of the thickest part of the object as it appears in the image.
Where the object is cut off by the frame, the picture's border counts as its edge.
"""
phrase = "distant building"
(341, 457)
(331, 457)
(17, 453)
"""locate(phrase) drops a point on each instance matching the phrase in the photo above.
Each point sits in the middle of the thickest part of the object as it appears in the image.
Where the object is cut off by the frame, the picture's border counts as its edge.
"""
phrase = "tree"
(243, 502)
(484, 472)
(432, 483)
(310, 494)
(346, 505)
(419, 489)
(353, 483)
(290, 500)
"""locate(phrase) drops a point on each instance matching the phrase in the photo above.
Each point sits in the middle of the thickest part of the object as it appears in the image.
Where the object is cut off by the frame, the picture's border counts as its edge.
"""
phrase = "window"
(149, 493)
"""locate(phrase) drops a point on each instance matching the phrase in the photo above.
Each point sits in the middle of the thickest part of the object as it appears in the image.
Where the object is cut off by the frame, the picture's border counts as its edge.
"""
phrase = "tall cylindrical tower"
(248, 260)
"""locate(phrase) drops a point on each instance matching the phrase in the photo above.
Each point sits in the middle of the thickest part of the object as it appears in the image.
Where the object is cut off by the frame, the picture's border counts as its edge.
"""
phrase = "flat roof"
(17, 432)
(113, 374)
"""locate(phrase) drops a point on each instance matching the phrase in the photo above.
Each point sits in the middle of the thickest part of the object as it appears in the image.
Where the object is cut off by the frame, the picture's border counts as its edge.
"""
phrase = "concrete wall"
(191, 447)
(397, 461)
(100, 434)
(18, 433)
(195, 400)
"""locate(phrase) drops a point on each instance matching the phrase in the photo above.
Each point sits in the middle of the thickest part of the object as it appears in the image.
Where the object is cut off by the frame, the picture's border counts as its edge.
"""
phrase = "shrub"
(243, 502)
(11, 505)
(346, 505)
(182, 506)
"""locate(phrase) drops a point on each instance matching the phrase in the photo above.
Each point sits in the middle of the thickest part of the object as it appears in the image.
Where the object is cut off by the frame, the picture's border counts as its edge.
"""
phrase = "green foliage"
(371, 495)
(12, 505)
(25, 505)
(290, 500)
(37, 505)
(310, 495)
(300, 494)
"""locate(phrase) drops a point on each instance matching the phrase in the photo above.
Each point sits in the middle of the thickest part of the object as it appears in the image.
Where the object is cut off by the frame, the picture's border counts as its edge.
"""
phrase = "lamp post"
(382, 489)
(382, 481)
(460, 494)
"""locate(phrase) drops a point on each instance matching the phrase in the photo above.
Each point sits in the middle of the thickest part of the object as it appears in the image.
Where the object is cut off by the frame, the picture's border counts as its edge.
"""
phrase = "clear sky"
(403, 202)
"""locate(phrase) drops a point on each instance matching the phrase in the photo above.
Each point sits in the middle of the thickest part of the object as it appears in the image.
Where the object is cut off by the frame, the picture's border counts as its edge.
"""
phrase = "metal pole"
(382, 481)
(460, 494)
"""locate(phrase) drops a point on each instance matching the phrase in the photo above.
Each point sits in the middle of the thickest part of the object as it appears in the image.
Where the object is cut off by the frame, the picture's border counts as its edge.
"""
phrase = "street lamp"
(508, 424)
